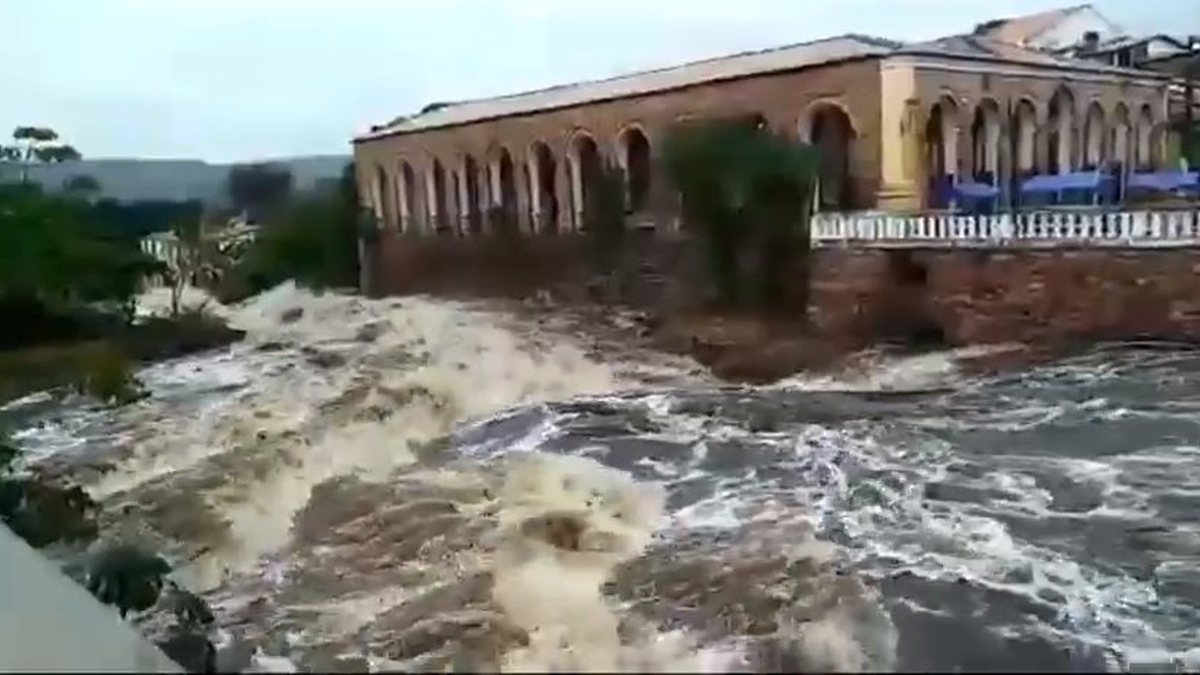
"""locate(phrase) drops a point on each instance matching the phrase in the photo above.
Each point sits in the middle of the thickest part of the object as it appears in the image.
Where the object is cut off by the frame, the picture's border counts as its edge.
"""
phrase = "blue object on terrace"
(1164, 181)
(1083, 187)
(1087, 180)
(976, 191)
(979, 198)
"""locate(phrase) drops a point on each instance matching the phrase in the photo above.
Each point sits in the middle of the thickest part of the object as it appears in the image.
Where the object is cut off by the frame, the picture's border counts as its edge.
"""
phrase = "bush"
(604, 216)
(107, 375)
(749, 192)
(59, 268)
(312, 239)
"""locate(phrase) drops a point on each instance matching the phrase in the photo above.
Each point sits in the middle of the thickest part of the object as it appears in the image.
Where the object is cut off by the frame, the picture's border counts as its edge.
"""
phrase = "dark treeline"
(138, 219)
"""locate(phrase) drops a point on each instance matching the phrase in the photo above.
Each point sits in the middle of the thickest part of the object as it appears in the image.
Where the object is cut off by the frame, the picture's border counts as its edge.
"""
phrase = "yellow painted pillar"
(900, 137)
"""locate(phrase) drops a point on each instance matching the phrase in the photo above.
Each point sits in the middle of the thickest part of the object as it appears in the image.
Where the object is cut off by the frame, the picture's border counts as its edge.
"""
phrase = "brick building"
(887, 116)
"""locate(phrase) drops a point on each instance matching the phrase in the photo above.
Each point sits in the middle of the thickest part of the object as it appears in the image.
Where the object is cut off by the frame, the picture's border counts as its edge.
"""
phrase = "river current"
(424, 484)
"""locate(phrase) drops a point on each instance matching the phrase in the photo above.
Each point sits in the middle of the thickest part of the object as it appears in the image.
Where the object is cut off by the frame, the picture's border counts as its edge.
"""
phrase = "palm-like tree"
(36, 145)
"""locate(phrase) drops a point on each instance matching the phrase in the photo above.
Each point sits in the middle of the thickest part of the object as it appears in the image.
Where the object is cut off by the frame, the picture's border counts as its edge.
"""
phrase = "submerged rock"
(44, 513)
(291, 315)
(127, 577)
(193, 651)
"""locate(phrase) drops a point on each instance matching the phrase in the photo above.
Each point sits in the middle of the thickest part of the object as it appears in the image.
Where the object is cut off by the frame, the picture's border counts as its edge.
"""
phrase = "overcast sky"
(250, 79)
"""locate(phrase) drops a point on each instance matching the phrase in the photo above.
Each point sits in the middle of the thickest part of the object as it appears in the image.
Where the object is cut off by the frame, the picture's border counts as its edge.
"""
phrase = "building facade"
(888, 118)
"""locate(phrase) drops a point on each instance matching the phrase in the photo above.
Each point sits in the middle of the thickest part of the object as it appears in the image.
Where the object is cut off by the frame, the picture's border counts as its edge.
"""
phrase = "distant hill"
(175, 179)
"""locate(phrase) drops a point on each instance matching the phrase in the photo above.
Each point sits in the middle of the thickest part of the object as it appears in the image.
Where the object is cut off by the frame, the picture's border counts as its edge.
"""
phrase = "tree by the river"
(258, 188)
(36, 145)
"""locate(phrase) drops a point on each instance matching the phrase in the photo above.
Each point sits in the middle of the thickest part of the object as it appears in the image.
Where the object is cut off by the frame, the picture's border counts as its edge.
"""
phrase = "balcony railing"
(1031, 229)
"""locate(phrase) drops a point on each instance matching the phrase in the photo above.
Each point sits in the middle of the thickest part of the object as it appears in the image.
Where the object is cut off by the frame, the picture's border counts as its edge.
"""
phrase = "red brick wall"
(651, 270)
(1001, 296)
(782, 98)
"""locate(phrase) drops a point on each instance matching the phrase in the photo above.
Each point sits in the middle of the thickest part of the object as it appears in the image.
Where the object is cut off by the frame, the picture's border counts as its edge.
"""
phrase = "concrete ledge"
(48, 623)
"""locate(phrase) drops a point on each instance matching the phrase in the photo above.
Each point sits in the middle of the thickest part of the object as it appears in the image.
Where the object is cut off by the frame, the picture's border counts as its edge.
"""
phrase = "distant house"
(228, 240)
(1058, 30)
(1131, 50)
(1082, 32)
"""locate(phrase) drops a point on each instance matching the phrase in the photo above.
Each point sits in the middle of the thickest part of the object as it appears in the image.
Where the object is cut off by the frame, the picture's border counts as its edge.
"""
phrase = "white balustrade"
(1137, 229)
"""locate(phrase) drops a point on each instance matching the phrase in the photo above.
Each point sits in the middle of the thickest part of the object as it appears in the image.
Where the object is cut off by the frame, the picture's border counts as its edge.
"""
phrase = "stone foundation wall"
(649, 270)
(857, 295)
(990, 296)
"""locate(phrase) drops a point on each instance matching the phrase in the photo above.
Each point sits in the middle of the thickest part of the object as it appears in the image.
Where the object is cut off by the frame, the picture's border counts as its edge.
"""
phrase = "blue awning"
(1087, 180)
(976, 191)
(1164, 181)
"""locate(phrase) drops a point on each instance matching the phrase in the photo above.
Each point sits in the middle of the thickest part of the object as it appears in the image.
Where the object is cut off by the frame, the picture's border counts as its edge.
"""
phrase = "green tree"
(604, 216)
(187, 257)
(36, 145)
(748, 191)
(258, 188)
(83, 185)
(311, 238)
(53, 256)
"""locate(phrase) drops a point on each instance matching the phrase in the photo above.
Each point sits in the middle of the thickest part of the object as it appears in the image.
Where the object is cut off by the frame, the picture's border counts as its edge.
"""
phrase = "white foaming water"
(331, 386)
(156, 301)
(564, 524)
(231, 459)
(876, 372)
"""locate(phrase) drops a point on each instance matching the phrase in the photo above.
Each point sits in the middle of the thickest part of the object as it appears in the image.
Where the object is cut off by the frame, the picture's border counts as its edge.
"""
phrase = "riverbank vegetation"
(310, 238)
(68, 289)
(71, 268)
(70, 272)
(747, 191)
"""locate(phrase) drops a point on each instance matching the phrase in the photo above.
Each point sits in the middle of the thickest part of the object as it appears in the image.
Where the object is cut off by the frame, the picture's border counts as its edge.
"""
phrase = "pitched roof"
(988, 49)
(1122, 41)
(791, 57)
(980, 46)
(1021, 29)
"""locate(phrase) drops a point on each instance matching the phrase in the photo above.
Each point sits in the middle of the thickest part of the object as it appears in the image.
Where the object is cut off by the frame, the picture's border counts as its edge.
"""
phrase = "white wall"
(1070, 30)
(50, 623)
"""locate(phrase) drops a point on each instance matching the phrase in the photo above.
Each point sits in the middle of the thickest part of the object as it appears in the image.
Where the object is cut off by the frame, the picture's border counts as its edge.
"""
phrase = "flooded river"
(424, 484)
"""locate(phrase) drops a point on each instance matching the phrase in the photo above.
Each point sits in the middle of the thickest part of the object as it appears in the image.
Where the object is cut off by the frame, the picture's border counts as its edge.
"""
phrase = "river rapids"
(421, 484)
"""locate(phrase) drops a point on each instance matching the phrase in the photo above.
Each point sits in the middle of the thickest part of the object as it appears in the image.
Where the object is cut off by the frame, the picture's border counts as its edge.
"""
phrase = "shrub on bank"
(749, 192)
(106, 374)
(104, 366)
(311, 239)
(56, 262)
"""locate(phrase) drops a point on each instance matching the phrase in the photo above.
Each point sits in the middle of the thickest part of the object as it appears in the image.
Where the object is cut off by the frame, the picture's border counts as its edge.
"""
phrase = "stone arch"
(436, 215)
(823, 107)
(503, 179)
(1094, 125)
(1060, 123)
(941, 137)
(828, 127)
(985, 140)
(407, 192)
(469, 198)
(583, 155)
(1118, 141)
(1025, 122)
(383, 197)
(1159, 134)
(634, 152)
(543, 188)
(1143, 137)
